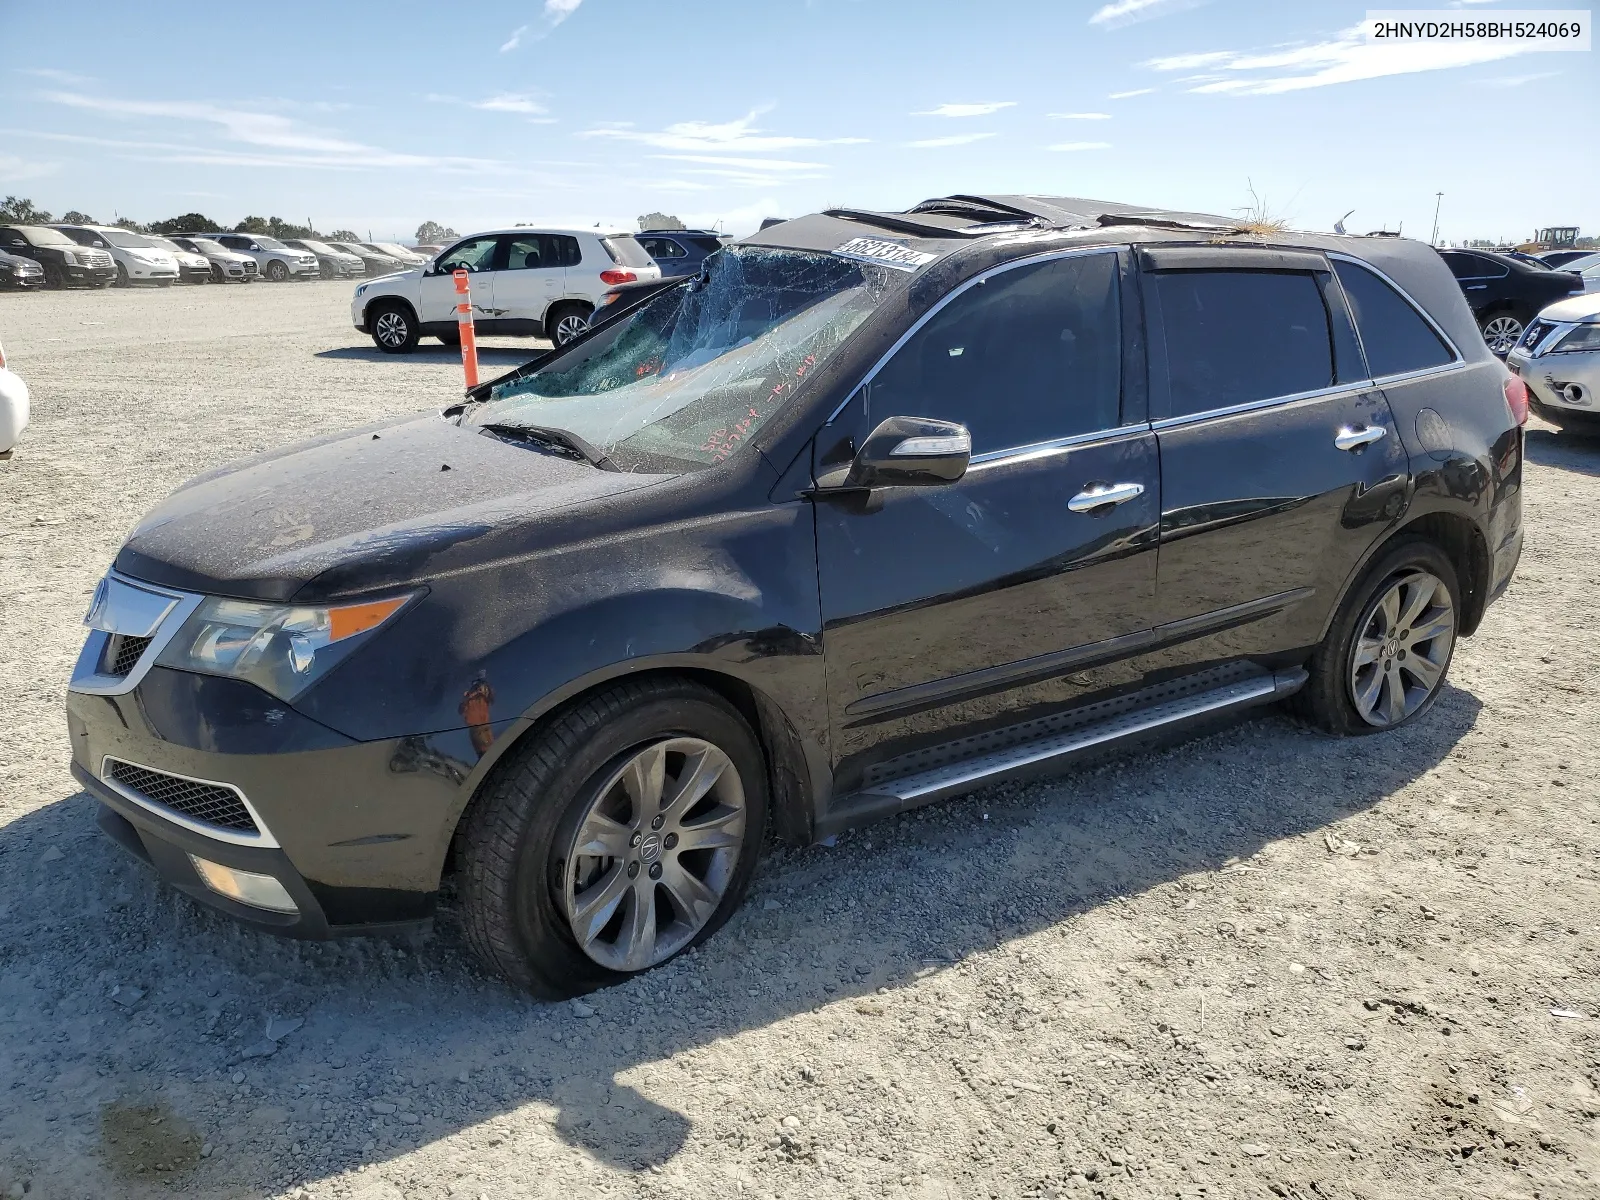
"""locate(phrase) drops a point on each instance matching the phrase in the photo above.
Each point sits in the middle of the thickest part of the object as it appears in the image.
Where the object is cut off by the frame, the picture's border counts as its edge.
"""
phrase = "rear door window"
(1393, 332)
(1235, 337)
(1029, 355)
(560, 250)
(659, 248)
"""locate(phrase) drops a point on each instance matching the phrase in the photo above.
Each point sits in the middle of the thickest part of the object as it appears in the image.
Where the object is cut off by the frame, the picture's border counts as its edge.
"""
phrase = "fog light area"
(247, 887)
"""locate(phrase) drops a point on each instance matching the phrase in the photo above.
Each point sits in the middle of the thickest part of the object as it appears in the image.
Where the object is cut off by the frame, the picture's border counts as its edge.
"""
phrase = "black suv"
(680, 252)
(1506, 293)
(61, 259)
(881, 508)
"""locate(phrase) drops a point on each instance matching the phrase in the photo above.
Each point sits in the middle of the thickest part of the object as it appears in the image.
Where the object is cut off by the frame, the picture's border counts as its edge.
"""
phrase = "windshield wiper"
(560, 441)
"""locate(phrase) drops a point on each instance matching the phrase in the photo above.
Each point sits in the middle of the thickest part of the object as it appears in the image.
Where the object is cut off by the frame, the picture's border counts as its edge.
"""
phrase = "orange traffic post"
(469, 340)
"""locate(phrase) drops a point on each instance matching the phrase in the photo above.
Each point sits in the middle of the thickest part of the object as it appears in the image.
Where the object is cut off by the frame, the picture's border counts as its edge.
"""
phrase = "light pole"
(1437, 197)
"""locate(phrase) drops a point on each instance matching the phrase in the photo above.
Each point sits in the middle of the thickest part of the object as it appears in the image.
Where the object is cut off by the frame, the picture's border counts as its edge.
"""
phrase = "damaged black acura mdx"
(876, 509)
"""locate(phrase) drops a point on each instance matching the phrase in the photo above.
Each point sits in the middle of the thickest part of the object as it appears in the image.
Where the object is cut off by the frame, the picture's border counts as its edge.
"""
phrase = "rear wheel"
(1502, 331)
(567, 322)
(394, 328)
(277, 271)
(621, 836)
(1386, 655)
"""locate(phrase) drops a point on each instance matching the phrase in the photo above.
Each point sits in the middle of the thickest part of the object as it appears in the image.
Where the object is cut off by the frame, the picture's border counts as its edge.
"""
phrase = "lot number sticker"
(885, 253)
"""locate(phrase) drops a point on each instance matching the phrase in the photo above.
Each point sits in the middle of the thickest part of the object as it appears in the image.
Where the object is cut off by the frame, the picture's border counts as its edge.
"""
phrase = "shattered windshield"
(681, 383)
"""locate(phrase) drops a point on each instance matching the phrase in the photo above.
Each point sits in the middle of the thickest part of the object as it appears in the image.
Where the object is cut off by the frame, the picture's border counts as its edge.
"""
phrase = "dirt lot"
(1265, 963)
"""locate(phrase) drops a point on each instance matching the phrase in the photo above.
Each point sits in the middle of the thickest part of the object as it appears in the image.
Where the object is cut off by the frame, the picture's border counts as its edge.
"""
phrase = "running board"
(1059, 741)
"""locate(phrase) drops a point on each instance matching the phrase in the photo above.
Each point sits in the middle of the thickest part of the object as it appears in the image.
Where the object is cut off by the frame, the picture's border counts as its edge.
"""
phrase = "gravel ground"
(1263, 963)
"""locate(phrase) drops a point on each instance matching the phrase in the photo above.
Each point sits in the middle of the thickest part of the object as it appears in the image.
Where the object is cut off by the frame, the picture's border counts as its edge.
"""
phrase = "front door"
(532, 277)
(437, 290)
(947, 608)
(1280, 463)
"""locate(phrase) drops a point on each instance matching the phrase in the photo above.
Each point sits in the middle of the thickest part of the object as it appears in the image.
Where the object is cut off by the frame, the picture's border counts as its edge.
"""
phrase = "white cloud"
(1079, 116)
(1129, 95)
(1070, 147)
(557, 11)
(289, 143)
(14, 169)
(959, 139)
(1126, 12)
(515, 40)
(1346, 58)
(1511, 81)
(766, 164)
(512, 102)
(55, 76)
(737, 137)
(967, 110)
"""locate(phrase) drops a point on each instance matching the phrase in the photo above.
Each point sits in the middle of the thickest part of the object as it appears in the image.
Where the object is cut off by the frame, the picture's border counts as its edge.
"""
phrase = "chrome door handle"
(1104, 495)
(1355, 439)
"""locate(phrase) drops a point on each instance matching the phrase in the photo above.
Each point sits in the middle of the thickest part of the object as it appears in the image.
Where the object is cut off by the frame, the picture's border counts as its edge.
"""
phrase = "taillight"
(613, 275)
(1517, 398)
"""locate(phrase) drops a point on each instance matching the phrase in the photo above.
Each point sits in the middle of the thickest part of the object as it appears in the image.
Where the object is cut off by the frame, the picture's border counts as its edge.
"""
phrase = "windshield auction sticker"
(1473, 35)
(885, 253)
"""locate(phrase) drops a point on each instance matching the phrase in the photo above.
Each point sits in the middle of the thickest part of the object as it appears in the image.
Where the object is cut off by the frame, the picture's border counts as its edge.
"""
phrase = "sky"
(723, 112)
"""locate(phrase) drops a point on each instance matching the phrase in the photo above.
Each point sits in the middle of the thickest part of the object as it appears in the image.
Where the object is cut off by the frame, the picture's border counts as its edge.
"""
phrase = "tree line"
(21, 211)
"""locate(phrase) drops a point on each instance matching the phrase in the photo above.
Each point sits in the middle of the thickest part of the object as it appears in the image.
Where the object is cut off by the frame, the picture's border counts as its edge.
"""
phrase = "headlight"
(68, 257)
(1584, 337)
(282, 649)
(362, 290)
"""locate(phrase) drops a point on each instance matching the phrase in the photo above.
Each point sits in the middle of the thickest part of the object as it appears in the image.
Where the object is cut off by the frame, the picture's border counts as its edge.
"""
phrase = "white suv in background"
(138, 259)
(276, 261)
(526, 282)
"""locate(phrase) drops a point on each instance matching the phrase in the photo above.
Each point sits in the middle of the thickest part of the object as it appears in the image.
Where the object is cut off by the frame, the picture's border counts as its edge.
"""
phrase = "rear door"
(532, 276)
(952, 607)
(1280, 464)
(437, 288)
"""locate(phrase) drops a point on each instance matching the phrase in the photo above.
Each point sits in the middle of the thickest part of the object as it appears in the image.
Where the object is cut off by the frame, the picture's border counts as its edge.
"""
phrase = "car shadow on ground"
(1566, 450)
(499, 356)
(121, 991)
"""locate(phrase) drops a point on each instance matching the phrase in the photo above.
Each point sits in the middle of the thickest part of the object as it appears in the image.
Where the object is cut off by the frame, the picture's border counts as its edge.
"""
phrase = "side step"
(1050, 744)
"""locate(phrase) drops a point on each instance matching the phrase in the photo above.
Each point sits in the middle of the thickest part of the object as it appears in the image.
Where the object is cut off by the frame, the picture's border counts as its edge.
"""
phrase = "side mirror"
(908, 451)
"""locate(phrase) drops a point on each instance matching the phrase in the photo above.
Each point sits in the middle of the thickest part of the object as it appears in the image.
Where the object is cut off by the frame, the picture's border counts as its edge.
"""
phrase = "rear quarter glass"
(627, 252)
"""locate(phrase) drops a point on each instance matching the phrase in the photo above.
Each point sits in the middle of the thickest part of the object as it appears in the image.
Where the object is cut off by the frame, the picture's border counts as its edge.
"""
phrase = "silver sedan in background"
(1558, 358)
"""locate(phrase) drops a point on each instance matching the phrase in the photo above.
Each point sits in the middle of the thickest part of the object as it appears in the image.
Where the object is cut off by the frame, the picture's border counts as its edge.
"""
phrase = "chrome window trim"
(1457, 359)
(1011, 265)
(1342, 389)
(216, 832)
(88, 679)
(996, 458)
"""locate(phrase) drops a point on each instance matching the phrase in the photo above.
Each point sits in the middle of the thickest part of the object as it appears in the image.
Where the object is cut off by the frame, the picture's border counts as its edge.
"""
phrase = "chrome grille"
(1535, 333)
(123, 652)
(210, 803)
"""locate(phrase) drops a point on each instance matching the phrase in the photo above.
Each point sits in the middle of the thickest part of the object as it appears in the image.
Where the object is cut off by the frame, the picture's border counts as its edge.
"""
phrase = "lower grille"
(211, 803)
(122, 652)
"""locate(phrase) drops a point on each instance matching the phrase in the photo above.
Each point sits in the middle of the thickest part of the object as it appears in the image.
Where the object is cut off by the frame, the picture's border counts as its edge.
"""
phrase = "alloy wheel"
(569, 327)
(1402, 649)
(1502, 333)
(653, 853)
(391, 328)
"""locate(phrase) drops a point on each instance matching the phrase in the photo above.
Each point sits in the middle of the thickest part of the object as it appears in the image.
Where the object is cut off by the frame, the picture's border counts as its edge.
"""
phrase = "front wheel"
(277, 271)
(624, 834)
(53, 277)
(1502, 331)
(1386, 655)
(394, 329)
(122, 276)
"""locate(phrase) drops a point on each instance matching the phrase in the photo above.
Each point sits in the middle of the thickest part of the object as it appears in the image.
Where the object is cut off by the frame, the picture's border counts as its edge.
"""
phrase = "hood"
(1584, 307)
(412, 274)
(377, 507)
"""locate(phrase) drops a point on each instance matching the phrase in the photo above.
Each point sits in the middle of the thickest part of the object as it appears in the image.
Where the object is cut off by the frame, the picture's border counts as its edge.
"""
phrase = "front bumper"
(1560, 382)
(144, 271)
(17, 280)
(94, 276)
(356, 832)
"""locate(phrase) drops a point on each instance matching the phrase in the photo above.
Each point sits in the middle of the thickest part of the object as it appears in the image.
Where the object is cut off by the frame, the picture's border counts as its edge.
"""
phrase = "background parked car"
(64, 261)
(1504, 293)
(426, 249)
(1581, 263)
(19, 272)
(225, 264)
(13, 407)
(376, 261)
(192, 267)
(525, 283)
(276, 261)
(333, 264)
(1560, 258)
(397, 252)
(1559, 359)
(138, 259)
(679, 251)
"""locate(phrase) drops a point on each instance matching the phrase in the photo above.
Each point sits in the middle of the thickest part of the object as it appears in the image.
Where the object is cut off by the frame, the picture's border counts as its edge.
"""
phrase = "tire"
(277, 271)
(122, 276)
(523, 889)
(1423, 584)
(394, 328)
(567, 322)
(1501, 331)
